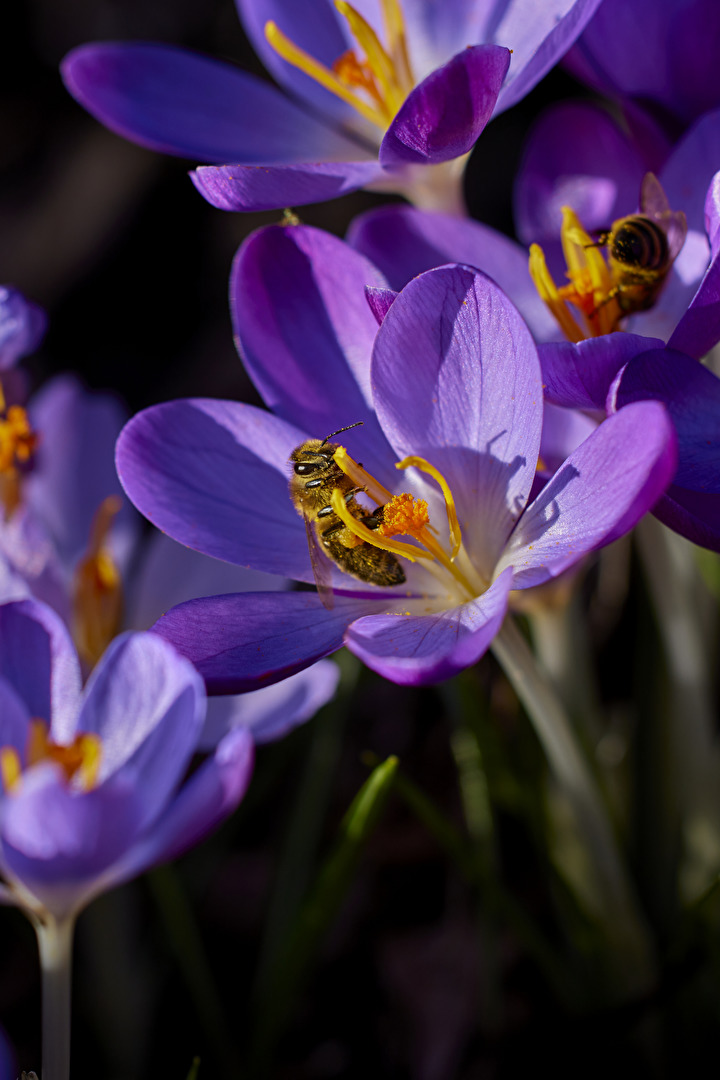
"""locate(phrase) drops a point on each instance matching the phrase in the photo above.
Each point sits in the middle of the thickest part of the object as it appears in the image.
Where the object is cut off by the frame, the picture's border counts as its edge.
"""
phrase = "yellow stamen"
(18, 443)
(361, 478)
(548, 292)
(370, 536)
(79, 760)
(453, 523)
(384, 75)
(323, 75)
(97, 598)
(10, 768)
(404, 516)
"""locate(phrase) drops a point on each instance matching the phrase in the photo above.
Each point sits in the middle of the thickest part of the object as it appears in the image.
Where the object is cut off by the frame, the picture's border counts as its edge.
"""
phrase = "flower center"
(404, 515)
(376, 82)
(18, 442)
(79, 760)
(97, 589)
(592, 290)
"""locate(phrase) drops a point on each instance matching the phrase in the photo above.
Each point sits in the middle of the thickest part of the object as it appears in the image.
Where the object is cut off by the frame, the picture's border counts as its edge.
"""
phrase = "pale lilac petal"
(563, 431)
(577, 156)
(38, 660)
(579, 376)
(442, 118)
(305, 332)
(22, 326)
(56, 841)
(209, 796)
(273, 187)
(243, 642)
(457, 381)
(691, 395)
(699, 327)
(691, 168)
(419, 649)
(538, 34)
(199, 470)
(601, 491)
(404, 242)
(180, 102)
(169, 573)
(75, 468)
(147, 704)
(271, 712)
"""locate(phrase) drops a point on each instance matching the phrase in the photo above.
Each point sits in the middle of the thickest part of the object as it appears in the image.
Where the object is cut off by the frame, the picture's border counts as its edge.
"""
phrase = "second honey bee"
(642, 248)
(315, 476)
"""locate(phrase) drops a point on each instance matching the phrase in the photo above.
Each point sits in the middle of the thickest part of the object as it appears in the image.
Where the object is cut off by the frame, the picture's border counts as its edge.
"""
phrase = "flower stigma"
(78, 760)
(97, 589)
(376, 84)
(405, 515)
(18, 443)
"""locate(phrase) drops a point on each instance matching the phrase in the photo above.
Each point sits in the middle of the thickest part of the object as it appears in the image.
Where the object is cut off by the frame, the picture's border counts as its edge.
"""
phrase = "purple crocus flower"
(378, 90)
(22, 326)
(92, 780)
(663, 54)
(453, 384)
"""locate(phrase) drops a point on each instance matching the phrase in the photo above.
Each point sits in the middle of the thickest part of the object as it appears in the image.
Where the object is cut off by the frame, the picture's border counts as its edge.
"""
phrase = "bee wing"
(321, 566)
(653, 202)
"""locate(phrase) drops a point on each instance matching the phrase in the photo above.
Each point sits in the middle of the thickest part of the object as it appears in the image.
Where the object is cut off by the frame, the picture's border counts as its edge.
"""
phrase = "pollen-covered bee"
(642, 247)
(315, 475)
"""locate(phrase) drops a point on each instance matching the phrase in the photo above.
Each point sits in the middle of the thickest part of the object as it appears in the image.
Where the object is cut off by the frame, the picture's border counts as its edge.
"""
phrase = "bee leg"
(602, 240)
(612, 295)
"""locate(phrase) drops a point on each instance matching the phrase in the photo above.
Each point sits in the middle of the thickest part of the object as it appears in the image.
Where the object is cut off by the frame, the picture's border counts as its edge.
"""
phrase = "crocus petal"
(466, 395)
(75, 463)
(180, 102)
(38, 660)
(273, 187)
(600, 492)
(147, 705)
(578, 156)
(699, 328)
(274, 710)
(579, 376)
(379, 301)
(563, 430)
(693, 514)
(14, 717)
(199, 470)
(691, 395)
(690, 169)
(22, 326)
(442, 117)
(243, 642)
(209, 796)
(315, 28)
(305, 332)
(403, 242)
(419, 649)
(56, 840)
(538, 34)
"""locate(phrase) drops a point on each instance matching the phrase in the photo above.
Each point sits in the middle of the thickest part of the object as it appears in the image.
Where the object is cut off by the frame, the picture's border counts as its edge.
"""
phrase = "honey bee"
(315, 475)
(642, 248)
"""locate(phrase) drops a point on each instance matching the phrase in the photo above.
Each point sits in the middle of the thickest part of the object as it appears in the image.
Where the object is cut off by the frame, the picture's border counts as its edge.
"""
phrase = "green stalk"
(615, 906)
(55, 940)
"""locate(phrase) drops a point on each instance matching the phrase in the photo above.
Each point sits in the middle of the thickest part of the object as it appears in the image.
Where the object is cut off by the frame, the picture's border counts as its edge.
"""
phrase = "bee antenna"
(332, 434)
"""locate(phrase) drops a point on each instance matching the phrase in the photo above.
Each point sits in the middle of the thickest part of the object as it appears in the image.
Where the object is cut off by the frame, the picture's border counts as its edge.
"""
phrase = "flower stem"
(55, 938)
(615, 902)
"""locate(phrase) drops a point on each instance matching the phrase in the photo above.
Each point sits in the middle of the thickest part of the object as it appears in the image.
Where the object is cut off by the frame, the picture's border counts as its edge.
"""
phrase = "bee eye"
(304, 468)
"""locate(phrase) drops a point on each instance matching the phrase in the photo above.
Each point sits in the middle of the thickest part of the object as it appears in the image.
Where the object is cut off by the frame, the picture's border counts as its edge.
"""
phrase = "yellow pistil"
(18, 443)
(592, 290)
(97, 593)
(403, 515)
(79, 760)
(384, 75)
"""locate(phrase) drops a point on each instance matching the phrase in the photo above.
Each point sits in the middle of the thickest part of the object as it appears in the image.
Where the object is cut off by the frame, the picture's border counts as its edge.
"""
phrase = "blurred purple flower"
(22, 326)
(381, 89)
(45, 542)
(663, 54)
(92, 780)
(455, 380)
